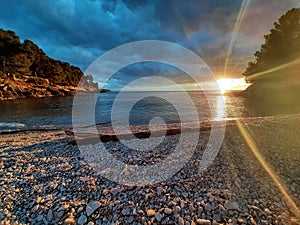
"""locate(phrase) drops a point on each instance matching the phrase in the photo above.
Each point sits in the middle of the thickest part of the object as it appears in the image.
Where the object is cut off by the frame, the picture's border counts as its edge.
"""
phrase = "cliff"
(26, 71)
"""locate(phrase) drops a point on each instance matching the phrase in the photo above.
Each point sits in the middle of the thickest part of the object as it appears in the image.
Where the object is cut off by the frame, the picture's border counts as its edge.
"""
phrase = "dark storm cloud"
(65, 29)
(107, 24)
(193, 16)
(80, 31)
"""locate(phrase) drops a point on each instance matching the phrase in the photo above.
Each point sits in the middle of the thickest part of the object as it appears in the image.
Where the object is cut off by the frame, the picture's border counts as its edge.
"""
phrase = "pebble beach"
(45, 180)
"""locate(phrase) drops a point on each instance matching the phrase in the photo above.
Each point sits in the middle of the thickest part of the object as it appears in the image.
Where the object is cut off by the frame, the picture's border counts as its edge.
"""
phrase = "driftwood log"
(106, 132)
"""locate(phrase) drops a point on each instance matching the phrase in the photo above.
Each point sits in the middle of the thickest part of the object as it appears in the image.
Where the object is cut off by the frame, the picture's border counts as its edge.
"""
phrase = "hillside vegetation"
(26, 71)
(274, 74)
(279, 57)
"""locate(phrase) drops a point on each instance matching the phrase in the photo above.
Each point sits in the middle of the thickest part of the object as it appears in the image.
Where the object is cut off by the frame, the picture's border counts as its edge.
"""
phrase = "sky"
(80, 31)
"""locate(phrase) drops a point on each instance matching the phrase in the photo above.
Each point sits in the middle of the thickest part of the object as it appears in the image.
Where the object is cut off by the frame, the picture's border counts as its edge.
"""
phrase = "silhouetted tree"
(282, 45)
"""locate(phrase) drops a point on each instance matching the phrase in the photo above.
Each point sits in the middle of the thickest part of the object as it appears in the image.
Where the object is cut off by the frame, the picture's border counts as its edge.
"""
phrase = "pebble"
(60, 214)
(168, 211)
(180, 221)
(82, 220)
(232, 205)
(39, 218)
(35, 208)
(92, 207)
(69, 221)
(252, 221)
(50, 215)
(203, 222)
(158, 216)
(126, 211)
(255, 208)
(295, 221)
(115, 191)
(130, 219)
(178, 209)
(38, 200)
(216, 217)
(240, 220)
(68, 195)
(208, 207)
(150, 213)
(159, 190)
(268, 211)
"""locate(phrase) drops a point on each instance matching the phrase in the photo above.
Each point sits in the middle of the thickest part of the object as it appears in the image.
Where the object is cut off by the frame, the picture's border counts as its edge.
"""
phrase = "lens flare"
(252, 145)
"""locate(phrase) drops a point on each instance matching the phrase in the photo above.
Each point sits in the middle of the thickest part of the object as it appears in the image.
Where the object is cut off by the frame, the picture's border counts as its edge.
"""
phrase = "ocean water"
(56, 112)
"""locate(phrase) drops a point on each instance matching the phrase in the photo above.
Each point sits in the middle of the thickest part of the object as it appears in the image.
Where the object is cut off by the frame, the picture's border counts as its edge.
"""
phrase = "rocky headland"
(10, 89)
(26, 71)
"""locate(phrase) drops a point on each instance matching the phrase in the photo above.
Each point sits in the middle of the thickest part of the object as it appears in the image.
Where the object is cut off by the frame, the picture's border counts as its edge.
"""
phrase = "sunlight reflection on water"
(220, 109)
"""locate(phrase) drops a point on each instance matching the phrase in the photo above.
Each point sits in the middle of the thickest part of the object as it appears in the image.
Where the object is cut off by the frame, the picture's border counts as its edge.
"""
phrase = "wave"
(11, 126)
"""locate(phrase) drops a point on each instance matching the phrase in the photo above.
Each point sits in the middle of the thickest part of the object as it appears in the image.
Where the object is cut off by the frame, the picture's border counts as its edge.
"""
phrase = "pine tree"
(282, 46)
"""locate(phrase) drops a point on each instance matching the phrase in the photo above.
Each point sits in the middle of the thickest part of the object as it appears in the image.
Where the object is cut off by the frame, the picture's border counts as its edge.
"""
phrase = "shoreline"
(12, 89)
(105, 128)
(45, 180)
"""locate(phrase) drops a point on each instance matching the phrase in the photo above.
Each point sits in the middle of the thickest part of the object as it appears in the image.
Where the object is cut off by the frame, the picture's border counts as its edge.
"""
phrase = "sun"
(228, 84)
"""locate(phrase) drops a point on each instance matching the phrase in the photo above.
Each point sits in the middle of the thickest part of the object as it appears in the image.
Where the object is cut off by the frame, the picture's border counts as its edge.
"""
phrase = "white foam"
(11, 126)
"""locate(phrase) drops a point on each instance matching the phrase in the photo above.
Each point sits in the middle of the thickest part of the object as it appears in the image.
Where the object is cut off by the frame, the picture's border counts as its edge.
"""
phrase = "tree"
(29, 62)
(282, 46)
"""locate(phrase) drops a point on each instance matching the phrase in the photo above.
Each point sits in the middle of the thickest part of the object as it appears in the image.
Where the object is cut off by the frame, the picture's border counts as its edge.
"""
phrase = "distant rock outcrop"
(26, 71)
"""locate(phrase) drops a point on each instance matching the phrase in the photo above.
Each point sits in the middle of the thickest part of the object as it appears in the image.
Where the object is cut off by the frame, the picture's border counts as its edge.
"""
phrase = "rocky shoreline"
(13, 90)
(45, 180)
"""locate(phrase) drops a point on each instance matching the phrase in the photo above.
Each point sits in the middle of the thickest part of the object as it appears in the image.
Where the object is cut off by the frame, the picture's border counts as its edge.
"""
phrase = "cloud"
(61, 27)
(80, 31)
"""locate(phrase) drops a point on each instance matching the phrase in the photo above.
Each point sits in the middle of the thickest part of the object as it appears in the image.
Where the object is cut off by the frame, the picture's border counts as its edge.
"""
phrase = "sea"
(56, 112)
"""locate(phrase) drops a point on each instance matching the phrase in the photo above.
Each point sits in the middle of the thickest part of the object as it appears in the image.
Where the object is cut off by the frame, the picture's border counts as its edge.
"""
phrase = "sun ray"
(252, 145)
(185, 29)
(274, 69)
(182, 21)
(237, 25)
(225, 85)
